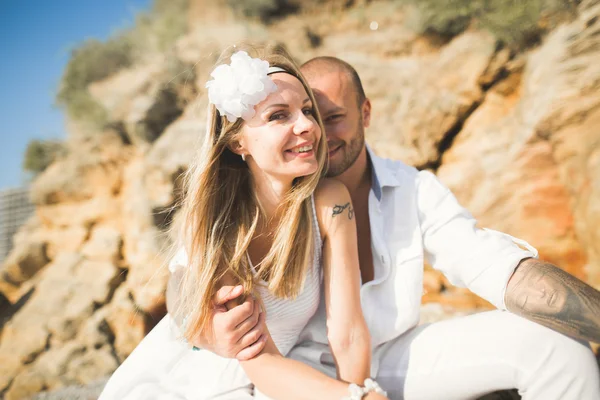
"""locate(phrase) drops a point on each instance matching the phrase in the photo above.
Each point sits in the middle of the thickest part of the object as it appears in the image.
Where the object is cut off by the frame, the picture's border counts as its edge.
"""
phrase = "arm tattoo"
(544, 293)
(337, 209)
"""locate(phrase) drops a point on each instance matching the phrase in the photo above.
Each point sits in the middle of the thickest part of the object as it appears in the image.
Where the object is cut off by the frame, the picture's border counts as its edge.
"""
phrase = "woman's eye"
(277, 116)
(308, 111)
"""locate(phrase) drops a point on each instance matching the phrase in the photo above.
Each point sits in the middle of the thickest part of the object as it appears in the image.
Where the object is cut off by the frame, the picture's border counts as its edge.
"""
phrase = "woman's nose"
(303, 124)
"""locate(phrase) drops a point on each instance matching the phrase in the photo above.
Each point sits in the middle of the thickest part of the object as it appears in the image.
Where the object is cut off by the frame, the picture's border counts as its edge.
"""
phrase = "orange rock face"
(515, 136)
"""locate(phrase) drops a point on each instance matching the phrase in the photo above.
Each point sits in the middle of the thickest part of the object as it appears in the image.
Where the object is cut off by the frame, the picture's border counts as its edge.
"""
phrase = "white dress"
(163, 366)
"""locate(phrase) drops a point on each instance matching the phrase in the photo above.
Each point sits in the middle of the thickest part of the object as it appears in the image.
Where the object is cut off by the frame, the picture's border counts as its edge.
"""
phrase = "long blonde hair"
(222, 212)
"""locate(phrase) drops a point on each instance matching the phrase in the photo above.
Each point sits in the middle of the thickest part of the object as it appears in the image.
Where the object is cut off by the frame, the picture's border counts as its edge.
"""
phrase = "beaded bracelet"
(357, 392)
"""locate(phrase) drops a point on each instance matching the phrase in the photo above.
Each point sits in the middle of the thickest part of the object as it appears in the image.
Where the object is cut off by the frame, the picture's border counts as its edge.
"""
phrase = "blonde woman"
(258, 214)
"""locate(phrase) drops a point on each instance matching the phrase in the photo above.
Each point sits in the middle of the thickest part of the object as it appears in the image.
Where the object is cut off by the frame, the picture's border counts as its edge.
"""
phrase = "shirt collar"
(381, 175)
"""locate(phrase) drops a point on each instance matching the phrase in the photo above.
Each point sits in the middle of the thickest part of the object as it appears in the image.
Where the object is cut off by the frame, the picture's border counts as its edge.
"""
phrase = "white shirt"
(414, 218)
(286, 318)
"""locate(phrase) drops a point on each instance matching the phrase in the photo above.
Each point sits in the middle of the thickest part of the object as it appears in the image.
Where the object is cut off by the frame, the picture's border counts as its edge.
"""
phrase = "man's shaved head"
(344, 108)
(320, 65)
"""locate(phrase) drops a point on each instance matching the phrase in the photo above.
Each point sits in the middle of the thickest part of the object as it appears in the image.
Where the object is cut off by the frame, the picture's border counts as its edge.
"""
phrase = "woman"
(257, 213)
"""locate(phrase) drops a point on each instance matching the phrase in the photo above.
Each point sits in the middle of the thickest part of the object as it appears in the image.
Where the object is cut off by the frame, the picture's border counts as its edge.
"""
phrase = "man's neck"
(357, 178)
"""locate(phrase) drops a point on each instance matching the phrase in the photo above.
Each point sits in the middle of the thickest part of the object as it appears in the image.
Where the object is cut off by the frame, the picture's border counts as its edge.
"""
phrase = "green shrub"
(516, 23)
(265, 10)
(39, 154)
(154, 31)
(158, 29)
(520, 23)
(91, 62)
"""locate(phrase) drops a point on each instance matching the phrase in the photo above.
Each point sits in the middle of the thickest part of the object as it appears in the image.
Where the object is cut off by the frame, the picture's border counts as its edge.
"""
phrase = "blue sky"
(36, 37)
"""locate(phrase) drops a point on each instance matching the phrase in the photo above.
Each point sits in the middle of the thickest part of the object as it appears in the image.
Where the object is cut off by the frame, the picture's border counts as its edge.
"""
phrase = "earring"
(243, 157)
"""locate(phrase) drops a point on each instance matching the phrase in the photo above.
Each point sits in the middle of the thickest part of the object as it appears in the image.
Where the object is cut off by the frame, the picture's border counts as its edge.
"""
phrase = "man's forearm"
(544, 293)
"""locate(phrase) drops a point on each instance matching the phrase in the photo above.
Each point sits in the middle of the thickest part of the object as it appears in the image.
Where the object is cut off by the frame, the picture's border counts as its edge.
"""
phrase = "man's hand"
(544, 293)
(239, 331)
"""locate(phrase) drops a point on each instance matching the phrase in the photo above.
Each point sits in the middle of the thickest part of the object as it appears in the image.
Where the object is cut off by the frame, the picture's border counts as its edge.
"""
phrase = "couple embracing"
(299, 274)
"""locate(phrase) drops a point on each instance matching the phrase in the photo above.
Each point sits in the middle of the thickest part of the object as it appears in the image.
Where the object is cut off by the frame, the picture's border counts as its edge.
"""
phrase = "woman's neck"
(270, 192)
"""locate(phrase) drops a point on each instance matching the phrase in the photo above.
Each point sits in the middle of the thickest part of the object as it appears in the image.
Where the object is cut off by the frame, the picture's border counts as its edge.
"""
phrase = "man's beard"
(350, 153)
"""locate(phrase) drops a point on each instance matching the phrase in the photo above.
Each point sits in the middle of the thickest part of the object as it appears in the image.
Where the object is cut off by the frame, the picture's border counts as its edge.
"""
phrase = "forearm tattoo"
(544, 293)
(337, 210)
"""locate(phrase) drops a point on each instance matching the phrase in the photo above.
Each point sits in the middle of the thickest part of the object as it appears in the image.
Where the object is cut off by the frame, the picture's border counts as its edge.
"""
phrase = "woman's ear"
(237, 147)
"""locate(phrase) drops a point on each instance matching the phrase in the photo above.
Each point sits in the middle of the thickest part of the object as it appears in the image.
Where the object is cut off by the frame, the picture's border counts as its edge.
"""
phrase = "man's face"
(342, 117)
(542, 293)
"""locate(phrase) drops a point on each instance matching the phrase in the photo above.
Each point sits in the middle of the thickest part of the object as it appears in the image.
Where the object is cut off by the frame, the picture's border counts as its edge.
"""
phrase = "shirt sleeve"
(179, 260)
(177, 263)
(482, 260)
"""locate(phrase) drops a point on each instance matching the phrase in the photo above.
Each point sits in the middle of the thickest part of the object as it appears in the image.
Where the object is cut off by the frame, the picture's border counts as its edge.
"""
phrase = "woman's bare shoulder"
(330, 189)
(331, 200)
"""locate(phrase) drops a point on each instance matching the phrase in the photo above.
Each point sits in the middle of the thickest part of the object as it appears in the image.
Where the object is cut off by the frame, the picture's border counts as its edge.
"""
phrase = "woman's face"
(281, 139)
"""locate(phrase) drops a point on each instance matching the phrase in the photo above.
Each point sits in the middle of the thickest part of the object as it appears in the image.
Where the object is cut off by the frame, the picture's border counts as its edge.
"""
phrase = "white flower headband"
(237, 87)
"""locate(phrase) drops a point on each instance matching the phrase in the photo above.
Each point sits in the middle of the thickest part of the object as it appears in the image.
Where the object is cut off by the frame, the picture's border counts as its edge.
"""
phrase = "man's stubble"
(351, 152)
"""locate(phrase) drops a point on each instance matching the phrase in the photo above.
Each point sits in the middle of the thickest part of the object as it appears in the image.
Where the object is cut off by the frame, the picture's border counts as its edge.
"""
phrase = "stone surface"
(78, 214)
(104, 245)
(117, 92)
(75, 178)
(80, 392)
(70, 291)
(143, 98)
(92, 364)
(25, 384)
(126, 322)
(543, 186)
(507, 178)
(66, 239)
(168, 159)
(144, 243)
(23, 262)
(566, 72)
(431, 96)
(513, 135)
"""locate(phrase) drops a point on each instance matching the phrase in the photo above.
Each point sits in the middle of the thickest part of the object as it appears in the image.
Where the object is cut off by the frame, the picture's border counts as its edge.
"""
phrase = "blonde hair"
(221, 213)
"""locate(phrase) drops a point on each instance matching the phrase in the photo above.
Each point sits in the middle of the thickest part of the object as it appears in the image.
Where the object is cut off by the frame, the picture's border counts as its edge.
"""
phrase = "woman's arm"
(283, 378)
(347, 330)
(286, 379)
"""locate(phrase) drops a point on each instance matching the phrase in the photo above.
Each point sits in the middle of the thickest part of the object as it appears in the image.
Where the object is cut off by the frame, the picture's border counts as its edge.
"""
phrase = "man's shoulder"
(394, 168)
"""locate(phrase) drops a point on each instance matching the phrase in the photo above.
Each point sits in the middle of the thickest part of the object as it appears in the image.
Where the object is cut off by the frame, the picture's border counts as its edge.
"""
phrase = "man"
(402, 216)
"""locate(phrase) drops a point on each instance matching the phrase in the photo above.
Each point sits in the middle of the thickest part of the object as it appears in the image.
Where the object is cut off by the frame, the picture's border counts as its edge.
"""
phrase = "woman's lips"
(307, 151)
(305, 154)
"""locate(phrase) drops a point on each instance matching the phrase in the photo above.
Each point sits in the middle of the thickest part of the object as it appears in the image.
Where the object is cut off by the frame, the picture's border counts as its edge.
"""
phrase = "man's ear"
(366, 113)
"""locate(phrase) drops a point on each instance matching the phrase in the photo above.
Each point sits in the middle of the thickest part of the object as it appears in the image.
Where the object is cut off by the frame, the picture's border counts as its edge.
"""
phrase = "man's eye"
(334, 117)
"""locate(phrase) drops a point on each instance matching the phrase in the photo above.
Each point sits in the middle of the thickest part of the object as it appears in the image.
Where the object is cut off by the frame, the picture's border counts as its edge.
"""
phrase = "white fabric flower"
(237, 87)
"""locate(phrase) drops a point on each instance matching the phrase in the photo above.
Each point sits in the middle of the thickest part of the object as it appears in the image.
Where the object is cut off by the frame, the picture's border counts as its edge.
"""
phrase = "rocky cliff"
(513, 134)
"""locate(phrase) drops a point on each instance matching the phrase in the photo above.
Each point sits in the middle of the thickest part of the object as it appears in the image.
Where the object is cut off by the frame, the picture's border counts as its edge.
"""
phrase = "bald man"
(535, 341)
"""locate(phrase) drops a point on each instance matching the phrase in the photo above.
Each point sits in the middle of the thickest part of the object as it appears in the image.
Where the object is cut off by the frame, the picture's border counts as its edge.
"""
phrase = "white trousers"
(462, 358)
(468, 357)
